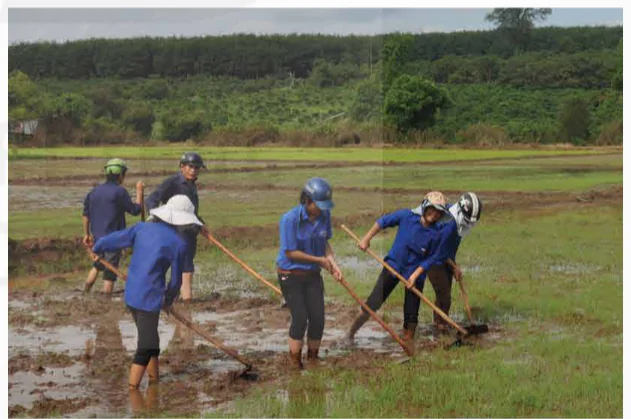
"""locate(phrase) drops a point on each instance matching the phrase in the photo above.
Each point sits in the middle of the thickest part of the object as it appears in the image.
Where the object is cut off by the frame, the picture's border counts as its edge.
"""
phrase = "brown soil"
(30, 253)
(282, 165)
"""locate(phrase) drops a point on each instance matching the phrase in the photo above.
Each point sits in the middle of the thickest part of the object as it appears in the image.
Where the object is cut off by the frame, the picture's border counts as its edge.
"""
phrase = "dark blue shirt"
(173, 185)
(105, 206)
(298, 233)
(450, 240)
(156, 247)
(414, 244)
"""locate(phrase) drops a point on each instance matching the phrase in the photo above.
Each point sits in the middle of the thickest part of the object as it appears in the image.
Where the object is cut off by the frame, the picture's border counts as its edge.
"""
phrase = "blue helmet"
(320, 192)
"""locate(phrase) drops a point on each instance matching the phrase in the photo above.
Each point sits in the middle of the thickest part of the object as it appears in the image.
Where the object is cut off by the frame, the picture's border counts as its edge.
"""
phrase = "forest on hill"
(480, 88)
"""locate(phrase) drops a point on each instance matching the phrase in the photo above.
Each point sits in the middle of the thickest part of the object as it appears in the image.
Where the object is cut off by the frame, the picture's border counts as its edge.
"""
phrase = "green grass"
(560, 350)
(290, 153)
(549, 277)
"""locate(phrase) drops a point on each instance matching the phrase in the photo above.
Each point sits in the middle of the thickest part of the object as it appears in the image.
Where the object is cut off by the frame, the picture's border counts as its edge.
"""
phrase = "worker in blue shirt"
(156, 248)
(464, 216)
(104, 211)
(305, 231)
(183, 183)
(414, 251)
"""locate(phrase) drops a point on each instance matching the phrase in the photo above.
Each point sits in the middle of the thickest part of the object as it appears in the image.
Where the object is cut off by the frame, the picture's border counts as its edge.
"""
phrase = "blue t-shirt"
(414, 245)
(105, 206)
(156, 247)
(298, 233)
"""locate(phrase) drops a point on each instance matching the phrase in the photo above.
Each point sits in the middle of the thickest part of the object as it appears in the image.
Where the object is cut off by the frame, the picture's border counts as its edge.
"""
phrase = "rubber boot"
(295, 360)
(408, 335)
(313, 348)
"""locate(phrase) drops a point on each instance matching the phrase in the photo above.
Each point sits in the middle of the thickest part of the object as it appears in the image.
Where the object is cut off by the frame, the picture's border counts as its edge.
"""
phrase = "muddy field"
(69, 353)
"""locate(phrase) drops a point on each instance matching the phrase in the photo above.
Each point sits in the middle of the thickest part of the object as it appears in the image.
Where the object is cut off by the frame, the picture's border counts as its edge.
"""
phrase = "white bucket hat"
(178, 211)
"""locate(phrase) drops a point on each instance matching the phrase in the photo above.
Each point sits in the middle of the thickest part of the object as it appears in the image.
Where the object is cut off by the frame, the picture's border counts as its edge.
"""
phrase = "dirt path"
(69, 354)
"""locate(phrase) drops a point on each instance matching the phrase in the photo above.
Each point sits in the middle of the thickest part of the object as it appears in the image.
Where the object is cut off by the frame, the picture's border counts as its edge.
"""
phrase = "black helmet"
(320, 192)
(470, 206)
(192, 158)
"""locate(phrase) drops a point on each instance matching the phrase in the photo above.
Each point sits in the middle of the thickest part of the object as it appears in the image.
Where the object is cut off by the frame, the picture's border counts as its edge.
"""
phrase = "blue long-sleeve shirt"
(173, 185)
(450, 240)
(414, 245)
(105, 206)
(298, 233)
(156, 247)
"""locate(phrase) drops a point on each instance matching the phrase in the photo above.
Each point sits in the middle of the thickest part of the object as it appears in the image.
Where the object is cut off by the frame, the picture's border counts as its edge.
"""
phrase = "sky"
(41, 24)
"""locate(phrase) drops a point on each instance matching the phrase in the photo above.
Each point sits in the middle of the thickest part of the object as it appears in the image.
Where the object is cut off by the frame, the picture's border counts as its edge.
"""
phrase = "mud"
(75, 362)
(32, 177)
(28, 255)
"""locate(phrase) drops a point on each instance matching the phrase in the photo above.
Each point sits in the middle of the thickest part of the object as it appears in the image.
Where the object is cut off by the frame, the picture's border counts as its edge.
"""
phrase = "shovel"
(240, 262)
(246, 374)
(461, 331)
(376, 317)
(472, 328)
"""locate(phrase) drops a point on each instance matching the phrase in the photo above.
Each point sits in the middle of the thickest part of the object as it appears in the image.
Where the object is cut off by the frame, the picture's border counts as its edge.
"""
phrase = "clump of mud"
(46, 407)
(38, 364)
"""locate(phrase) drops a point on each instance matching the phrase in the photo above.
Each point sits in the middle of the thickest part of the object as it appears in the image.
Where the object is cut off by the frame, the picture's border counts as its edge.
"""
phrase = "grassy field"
(290, 154)
(545, 269)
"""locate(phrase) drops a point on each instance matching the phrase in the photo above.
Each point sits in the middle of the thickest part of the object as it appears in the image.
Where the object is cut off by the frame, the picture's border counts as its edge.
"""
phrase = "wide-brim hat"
(178, 211)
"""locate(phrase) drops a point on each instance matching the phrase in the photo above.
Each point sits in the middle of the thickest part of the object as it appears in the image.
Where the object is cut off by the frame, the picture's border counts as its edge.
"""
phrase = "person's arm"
(158, 195)
(388, 220)
(125, 203)
(412, 279)
(336, 271)
(116, 240)
(173, 288)
(85, 218)
(455, 268)
(87, 237)
(364, 243)
(288, 234)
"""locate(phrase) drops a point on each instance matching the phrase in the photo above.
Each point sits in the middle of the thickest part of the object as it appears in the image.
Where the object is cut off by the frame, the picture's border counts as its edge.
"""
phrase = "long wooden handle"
(142, 206)
(377, 318)
(242, 263)
(178, 316)
(465, 297)
(402, 279)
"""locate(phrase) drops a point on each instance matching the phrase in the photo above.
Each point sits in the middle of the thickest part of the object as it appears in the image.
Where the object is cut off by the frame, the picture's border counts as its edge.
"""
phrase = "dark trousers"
(304, 295)
(382, 290)
(148, 337)
(441, 280)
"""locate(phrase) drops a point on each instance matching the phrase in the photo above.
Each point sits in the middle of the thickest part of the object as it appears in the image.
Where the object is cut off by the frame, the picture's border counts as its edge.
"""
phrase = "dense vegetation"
(565, 84)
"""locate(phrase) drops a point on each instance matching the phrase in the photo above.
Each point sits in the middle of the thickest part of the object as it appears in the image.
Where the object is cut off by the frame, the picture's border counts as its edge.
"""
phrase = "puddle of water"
(573, 269)
(31, 198)
(68, 339)
(17, 304)
(27, 387)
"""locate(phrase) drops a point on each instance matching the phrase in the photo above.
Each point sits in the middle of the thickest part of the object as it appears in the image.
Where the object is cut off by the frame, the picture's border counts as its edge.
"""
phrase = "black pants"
(382, 290)
(441, 278)
(304, 295)
(148, 337)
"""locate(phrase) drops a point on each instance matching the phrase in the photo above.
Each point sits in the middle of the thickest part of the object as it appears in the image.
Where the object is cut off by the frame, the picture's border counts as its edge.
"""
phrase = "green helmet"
(115, 167)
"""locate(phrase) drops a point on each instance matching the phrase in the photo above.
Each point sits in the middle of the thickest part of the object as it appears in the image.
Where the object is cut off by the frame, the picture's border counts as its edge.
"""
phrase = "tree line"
(251, 57)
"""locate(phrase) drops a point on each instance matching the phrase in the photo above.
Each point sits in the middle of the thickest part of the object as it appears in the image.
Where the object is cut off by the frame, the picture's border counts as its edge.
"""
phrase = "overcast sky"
(29, 25)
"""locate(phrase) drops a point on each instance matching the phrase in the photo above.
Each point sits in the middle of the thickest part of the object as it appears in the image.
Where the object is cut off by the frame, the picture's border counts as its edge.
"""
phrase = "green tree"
(616, 82)
(412, 103)
(398, 51)
(368, 101)
(23, 97)
(574, 121)
(517, 24)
